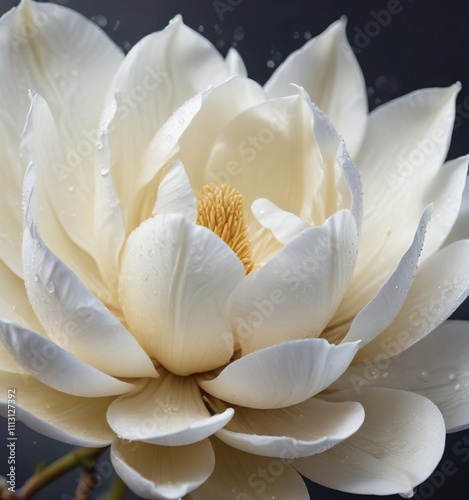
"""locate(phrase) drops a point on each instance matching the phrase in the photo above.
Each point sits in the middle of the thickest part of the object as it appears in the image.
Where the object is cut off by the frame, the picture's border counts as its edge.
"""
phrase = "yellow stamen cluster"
(220, 209)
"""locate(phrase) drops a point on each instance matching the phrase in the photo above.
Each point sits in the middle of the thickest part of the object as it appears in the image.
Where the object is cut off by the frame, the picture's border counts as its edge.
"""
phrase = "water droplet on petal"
(451, 376)
(50, 287)
(104, 171)
(100, 20)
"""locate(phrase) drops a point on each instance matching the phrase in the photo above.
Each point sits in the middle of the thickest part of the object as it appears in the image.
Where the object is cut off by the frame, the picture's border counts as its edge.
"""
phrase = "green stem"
(117, 490)
(76, 458)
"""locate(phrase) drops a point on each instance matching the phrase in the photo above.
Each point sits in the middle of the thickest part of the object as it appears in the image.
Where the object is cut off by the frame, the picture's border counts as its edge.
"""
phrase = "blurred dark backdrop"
(425, 45)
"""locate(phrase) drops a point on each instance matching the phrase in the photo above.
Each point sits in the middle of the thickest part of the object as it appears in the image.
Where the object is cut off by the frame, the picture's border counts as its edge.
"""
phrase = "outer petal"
(439, 287)
(73, 317)
(398, 446)
(282, 375)
(168, 411)
(159, 74)
(70, 62)
(460, 230)
(166, 472)
(379, 313)
(242, 476)
(176, 277)
(328, 70)
(400, 162)
(297, 431)
(437, 367)
(295, 294)
(55, 367)
(73, 420)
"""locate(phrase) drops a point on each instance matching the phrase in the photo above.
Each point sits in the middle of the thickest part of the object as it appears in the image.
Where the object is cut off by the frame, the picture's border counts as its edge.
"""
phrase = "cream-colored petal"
(242, 476)
(235, 63)
(296, 293)
(328, 70)
(436, 367)
(460, 230)
(71, 419)
(282, 375)
(440, 285)
(72, 316)
(297, 431)
(162, 472)
(445, 192)
(168, 411)
(159, 74)
(175, 194)
(400, 162)
(62, 371)
(55, 51)
(384, 307)
(220, 105)
(397, 447)
(284, 225)
(176, 277)
(14, 299)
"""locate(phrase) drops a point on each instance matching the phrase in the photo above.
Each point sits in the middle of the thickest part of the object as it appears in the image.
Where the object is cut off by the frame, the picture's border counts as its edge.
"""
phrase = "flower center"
(220, 209)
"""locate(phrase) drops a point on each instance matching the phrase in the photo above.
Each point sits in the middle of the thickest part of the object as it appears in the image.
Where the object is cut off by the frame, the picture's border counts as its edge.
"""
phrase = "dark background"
(425, 45)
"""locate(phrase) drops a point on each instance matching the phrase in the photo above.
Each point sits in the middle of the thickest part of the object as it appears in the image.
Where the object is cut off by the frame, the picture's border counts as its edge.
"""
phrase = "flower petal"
(175, 194)
(55, 367)
(168, 411)
(328, 70)
(14, 299)
(235, 63)
(384, 307)
(55, 51)
(436, 367)
(166, 472)
(297, 431)
(460, 230)
(446, 193)
(282, 375)
(295, 294)
(400, 162)
(159, 74)
(176, 277)
(242, 476)
(398, 446)
(284, 225)
(70, 419)
(73, 317)
(440, 285)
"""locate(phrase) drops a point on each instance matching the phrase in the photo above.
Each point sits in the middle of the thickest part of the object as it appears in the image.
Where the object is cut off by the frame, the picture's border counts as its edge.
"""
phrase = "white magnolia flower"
(201, 277)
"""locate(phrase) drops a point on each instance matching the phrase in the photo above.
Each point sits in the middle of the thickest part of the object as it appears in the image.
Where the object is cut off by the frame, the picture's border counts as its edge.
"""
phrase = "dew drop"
(424, 375)
(104, 171)
(307, 35)
(451, 376)
(238, 34)
(457, 387)
(201, 28)
(99, 146)
(71, 189)
(100, 20)
(50, 287)
(270, 63)
(116, 25)
(127, 46)
(296, 35)
(36, 278)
